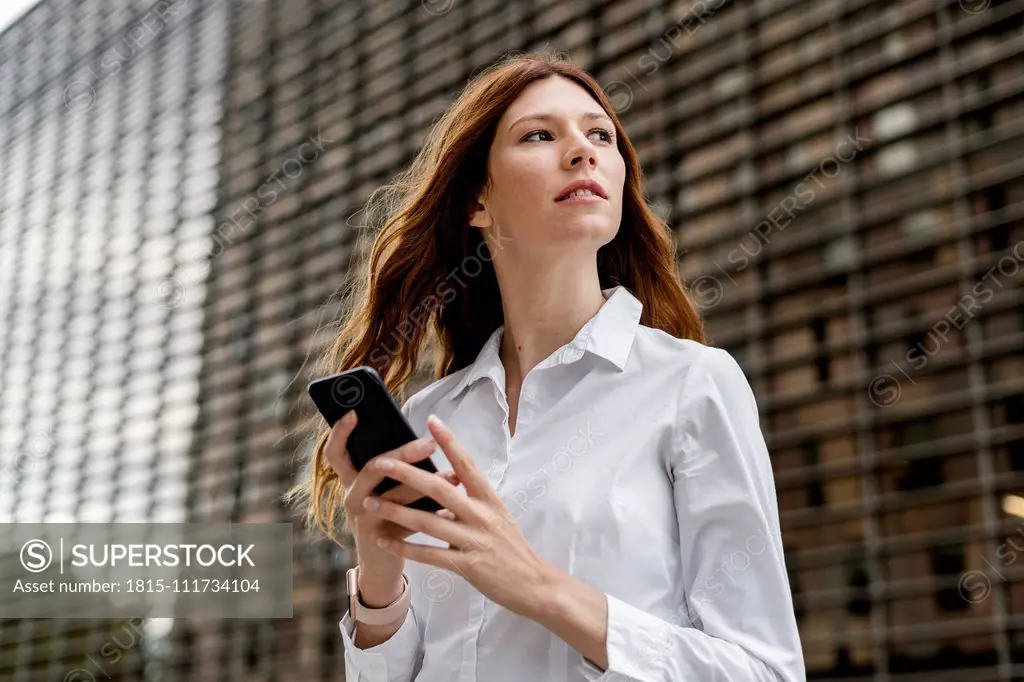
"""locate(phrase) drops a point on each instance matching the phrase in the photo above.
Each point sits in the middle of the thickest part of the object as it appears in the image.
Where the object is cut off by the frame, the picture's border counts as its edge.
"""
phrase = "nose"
(581, 153)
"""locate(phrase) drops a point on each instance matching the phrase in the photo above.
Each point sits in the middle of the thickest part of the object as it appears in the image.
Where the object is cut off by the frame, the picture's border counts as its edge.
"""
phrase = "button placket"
(467, 672)
(496, 469)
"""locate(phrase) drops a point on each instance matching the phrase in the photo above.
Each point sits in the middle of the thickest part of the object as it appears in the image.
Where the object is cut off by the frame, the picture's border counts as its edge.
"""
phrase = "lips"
(592, 185)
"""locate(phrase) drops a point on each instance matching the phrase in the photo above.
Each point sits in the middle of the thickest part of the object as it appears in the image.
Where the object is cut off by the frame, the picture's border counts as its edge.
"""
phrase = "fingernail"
(385, 463)
(371, 503)
(349, 417)
(383, 542)
(436, 420)
(428, 446)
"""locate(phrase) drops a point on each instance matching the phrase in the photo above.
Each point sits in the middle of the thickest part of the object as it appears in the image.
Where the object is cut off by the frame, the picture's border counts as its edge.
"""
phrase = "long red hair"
(421, 235)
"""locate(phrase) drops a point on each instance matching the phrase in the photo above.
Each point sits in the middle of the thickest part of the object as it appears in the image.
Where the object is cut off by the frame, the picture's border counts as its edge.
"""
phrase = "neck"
(544, 309)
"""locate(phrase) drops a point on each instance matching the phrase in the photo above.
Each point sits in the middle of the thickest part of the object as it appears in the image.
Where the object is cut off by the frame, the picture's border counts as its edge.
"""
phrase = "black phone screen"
(381, 426)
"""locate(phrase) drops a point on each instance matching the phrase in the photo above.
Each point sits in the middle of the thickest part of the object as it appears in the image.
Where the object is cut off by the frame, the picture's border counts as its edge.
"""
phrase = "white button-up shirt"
(638, 466)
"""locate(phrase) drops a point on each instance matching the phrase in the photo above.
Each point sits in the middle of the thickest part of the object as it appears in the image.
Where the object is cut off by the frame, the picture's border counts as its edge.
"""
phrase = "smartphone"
(380, 424)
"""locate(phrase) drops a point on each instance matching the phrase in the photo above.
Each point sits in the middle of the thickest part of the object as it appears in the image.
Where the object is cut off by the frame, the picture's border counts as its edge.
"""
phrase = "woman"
(609, 511)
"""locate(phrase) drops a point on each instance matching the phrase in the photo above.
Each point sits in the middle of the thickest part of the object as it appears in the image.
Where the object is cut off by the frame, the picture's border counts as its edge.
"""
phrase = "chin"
(597, 231)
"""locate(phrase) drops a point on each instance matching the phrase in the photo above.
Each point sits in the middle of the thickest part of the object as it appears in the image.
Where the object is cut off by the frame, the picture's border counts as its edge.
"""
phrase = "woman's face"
(552, 135)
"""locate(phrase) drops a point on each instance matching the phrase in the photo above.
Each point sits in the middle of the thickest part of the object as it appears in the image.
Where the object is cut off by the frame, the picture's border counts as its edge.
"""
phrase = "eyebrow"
(588, 116)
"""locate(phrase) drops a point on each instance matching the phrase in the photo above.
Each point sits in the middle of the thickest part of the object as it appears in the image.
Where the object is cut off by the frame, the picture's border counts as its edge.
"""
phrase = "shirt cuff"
(633, 650)
(588, 669)
(392, 659)
(591, 672)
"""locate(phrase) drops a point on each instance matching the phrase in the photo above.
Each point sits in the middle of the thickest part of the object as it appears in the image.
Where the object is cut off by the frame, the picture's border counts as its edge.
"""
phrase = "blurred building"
(109, 155)
(843, 177)
(849, 197)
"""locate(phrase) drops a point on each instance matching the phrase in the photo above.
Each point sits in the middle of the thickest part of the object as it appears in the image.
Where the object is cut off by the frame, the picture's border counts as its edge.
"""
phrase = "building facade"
(843, 180)
(109, 156)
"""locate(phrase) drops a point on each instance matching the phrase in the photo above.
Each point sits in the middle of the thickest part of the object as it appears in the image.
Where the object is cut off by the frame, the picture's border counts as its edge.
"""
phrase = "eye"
(609, 136)
(536, 132)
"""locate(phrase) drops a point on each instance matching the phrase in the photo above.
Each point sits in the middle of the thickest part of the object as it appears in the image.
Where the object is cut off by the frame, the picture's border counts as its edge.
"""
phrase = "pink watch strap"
(382, 616)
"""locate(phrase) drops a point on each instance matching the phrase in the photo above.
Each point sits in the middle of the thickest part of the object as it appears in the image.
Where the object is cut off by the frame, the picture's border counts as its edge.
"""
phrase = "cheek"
(620, 183)
(619, 164)
(521, 192)
(526, 183)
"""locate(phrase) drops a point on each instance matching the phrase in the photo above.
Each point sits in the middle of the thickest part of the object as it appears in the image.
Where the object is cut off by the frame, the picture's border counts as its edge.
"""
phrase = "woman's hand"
(380, 575)
(487, 548)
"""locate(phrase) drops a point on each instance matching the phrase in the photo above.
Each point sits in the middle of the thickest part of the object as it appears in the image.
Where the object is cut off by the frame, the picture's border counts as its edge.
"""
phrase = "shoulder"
(692, 362)
(708, 380)
(715, 373)
(703, 376)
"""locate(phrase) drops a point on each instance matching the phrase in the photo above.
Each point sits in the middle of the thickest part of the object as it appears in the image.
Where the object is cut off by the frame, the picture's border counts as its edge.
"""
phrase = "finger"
(395, 532)
(453, 559)
(369, 477)
(472, 478)
(403, 494)
(452, 532)
(429, 485)
(334, 448)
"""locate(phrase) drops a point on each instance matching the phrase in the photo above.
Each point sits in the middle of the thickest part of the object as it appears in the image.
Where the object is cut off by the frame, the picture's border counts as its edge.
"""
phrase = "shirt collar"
(608, 334)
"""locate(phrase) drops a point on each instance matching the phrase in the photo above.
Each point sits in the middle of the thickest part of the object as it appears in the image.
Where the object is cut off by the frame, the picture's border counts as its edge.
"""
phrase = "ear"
(479, 216)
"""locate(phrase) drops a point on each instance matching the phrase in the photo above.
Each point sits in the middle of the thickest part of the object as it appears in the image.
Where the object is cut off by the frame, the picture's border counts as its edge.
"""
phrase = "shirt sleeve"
(399, 658)
(395, 660)
(742, 625)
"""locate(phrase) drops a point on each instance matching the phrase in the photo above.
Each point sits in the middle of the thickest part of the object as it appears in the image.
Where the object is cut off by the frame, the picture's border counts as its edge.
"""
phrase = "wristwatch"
(382, 616)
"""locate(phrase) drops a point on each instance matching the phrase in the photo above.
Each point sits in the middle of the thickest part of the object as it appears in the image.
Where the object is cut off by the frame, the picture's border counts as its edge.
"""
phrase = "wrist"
(380, 573)
(364, 608)
(548, 596)
(377, 594)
